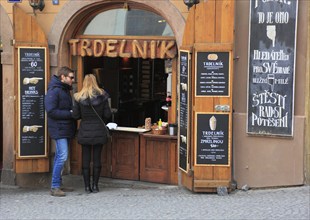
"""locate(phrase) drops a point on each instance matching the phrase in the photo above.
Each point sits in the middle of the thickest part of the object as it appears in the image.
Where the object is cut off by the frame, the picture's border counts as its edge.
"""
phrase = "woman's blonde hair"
(90, 88)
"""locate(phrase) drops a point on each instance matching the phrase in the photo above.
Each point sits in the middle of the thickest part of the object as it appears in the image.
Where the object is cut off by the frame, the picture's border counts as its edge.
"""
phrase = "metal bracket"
(12, 42)
(222, 108)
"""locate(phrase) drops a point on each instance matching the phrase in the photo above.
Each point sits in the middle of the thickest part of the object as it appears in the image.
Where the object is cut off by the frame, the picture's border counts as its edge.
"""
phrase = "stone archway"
(72, 13)
(6, 33)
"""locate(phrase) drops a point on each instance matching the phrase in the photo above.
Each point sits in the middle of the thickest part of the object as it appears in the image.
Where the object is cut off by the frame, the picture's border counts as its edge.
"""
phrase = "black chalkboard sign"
(271, 67)
(212, 73)
(183, 109)
(212, 139)
(32, 88)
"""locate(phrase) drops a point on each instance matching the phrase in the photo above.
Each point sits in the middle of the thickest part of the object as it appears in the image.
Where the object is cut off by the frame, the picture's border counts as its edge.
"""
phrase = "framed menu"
(212, 139)
(212, 73)
(271, 70)
(184, 91)
(32, 126)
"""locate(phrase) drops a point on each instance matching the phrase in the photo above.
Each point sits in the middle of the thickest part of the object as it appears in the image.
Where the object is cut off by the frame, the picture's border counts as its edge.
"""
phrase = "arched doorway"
(129, 56)
(131, 53)
(74, 14)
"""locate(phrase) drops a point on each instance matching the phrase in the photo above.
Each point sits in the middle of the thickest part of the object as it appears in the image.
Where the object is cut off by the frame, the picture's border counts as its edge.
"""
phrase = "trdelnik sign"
(271, 75)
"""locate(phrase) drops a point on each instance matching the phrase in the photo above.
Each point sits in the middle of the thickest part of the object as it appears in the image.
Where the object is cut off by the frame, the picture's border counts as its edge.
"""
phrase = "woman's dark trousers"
(86, 158)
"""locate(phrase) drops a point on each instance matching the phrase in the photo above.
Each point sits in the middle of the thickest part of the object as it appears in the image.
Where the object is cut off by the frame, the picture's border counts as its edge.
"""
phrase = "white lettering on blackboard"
(28, 54)
(268, 98)
(270, 122)
(31, 91)
(287, 2)
(270, 55)
(270, 106)
(211, 65)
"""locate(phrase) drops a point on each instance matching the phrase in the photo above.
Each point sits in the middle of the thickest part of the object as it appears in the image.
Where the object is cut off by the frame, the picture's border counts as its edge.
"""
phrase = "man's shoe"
(66, 189)
(57, 192)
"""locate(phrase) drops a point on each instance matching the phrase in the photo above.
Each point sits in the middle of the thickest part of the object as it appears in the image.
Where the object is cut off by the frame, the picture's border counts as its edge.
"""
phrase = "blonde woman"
(92, 107)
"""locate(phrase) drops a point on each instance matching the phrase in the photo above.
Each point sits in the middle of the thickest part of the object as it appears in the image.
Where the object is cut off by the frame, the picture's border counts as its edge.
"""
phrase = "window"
(134, 22)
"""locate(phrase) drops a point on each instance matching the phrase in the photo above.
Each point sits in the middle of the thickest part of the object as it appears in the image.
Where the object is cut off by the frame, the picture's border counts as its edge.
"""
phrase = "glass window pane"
(132, 22)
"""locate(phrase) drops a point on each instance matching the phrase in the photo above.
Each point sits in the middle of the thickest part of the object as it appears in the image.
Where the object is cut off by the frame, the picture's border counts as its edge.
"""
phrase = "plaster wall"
(266, 161)
(307, 101)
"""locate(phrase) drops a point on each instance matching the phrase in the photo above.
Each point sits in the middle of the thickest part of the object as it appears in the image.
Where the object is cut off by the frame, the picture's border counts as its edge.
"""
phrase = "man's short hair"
(64, 71)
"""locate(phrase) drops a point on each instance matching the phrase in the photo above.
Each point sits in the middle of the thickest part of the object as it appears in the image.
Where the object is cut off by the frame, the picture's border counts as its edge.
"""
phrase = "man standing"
(61, 125)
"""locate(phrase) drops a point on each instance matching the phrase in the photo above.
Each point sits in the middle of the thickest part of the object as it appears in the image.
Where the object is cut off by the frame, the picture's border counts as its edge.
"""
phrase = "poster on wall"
(184, 110)
(32, 130)
(212, 139)
(212, 73)
(271, 70)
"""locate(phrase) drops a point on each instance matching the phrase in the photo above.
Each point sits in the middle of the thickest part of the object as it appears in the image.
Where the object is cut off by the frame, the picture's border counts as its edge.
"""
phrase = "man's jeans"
(61, 156)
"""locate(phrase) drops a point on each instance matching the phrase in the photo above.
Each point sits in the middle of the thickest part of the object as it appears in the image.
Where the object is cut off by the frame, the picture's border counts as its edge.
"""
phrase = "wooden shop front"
(133, 73)
(136, 155)
(134, 70)
(206, 76)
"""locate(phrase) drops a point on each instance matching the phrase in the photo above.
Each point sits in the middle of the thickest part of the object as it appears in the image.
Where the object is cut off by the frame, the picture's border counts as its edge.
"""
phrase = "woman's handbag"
(105, 127)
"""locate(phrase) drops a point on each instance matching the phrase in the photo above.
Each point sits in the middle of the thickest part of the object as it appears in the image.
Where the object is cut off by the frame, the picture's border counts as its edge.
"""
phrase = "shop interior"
(138, 87)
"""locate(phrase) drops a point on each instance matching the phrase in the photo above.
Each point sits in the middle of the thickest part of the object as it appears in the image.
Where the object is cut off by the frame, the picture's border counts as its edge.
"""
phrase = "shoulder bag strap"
(100, 119)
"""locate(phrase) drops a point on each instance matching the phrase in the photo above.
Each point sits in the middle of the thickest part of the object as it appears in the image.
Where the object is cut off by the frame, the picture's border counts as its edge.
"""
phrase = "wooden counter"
(125, 155)
(144, 156)
(158, 158)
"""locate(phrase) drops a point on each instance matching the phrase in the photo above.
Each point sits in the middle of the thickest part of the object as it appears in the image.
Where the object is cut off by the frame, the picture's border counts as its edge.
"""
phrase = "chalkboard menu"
(32, 88)
(271, 67)
(212, 73)
(212, 139)
(183, 109)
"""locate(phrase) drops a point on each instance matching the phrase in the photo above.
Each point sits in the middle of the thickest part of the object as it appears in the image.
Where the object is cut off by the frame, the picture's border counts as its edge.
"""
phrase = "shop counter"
(140, 155)
(158, 158)
(125, 153)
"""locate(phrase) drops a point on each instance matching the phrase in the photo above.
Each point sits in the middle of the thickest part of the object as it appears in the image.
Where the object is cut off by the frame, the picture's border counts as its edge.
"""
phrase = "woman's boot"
(96, 175)
(86, 177)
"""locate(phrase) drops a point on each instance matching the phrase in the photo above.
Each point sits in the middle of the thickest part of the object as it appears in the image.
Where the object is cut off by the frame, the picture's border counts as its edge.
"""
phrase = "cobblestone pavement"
(119, 199)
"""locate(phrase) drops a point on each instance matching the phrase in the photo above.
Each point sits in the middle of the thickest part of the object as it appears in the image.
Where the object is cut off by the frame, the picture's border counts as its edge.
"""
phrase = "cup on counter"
(172, 129)
(148, 123)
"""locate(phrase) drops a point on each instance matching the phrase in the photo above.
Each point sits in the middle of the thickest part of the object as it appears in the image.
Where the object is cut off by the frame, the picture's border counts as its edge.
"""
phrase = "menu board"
(184, 103)
(212, 139)
(32, 88)
(212, 73)
(271, 70)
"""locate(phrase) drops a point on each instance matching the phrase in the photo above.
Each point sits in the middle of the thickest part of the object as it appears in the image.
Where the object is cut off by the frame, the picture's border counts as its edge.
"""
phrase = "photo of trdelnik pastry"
(32, 128)
(33, 80)
(212, 123)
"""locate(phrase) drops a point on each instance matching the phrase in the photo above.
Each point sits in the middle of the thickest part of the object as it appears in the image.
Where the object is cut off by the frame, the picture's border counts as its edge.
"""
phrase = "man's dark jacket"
(58, 104)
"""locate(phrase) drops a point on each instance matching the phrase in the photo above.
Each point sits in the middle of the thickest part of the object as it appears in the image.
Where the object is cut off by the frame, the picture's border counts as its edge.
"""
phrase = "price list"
(32, 86)
(184, 89)
(212, 77)
(212, 139)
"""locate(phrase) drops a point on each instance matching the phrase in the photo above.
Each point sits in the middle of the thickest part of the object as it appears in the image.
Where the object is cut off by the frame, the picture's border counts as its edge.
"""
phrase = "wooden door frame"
(172, 115)
(28, 33)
